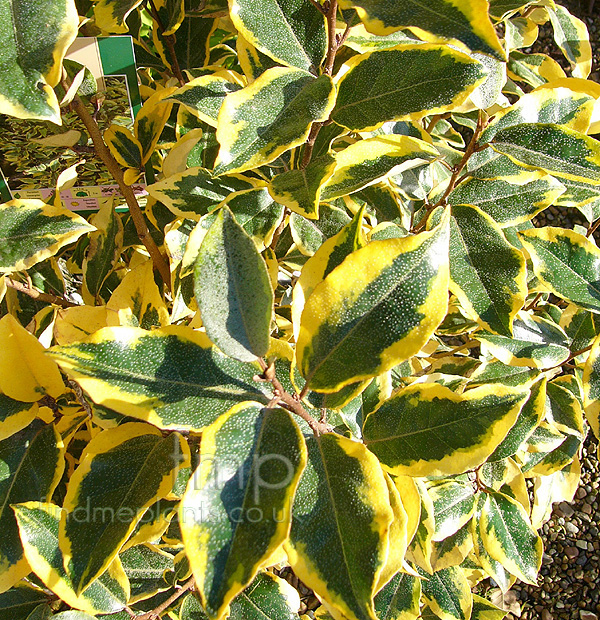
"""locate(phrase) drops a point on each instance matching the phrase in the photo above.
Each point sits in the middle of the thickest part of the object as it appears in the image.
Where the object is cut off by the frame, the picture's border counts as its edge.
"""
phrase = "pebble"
(564, 510)
(572, 552)
(587, 615)
(571, 528)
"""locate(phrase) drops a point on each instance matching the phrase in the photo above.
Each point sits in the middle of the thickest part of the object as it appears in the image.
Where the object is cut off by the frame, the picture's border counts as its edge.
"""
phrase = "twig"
(434, 121)
(81, 399)
(472, 147)
(592, 228)
(329, 9)
(279, 229)
(533, 304)
(169, 43)
(319, 7)
(155, 613)
(110, 162)
(292, 403)
(35, 294)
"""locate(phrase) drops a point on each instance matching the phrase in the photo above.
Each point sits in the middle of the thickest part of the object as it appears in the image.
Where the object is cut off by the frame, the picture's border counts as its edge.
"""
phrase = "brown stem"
(592, 228)
(169, 43)
(471, 148)
(279, 229)
(292, 403)
(81, 399)
(310, 144)
(35, 294)
(533, 304)
(319, 7)
(110, 162)
(334, 43)
(434, 121)
(155, 613)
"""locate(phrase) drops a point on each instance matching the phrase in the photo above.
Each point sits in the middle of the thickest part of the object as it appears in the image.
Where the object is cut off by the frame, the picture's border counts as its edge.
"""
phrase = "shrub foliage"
(330, 339)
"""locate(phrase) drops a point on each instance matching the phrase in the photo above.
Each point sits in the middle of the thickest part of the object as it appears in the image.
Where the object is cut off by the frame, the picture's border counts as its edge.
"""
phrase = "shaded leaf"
(233, 290)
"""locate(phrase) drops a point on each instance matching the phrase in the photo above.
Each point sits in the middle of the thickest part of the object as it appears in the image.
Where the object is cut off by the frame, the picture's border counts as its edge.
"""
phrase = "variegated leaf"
(336, 345)
(264, 454)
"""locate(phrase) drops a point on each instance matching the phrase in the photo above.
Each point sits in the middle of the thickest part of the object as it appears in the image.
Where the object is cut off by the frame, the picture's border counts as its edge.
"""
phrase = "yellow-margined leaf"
(270, 116)
(122, 472)
(368, 161)
(487, 274)
(204, 95)
(110, 15)
(428, 430)
(450, 19)
(331, 254)
(591, 388)
(341, 340)
(448, 593)
(124, 146)
(289, 31)
(171, 377)
(137, 301)
(151, 119)
(15, 415)
(31, 231)
(34, 37)
(571, 35)
(341, 517)
(250, 507)
(566, 262)
(508, 537)
(413, 81)
(38, 526)
(32, 466)
(300, 190)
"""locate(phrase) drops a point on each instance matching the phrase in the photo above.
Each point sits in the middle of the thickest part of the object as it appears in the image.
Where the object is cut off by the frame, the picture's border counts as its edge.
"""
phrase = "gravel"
(569, 580)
